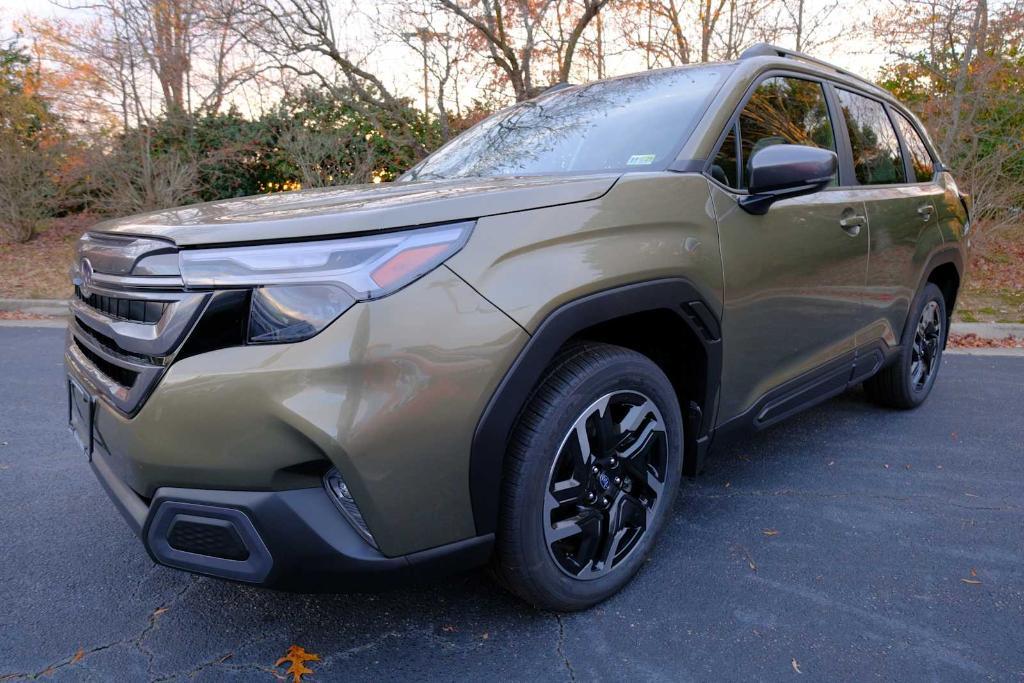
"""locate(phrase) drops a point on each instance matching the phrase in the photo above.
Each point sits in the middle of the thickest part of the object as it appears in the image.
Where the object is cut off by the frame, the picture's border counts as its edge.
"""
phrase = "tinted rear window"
(631, 123)
(877, 159)
(920, 160)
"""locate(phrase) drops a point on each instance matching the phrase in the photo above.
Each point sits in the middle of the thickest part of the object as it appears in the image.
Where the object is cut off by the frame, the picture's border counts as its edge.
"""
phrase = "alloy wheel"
(605, 484)
(924, 355)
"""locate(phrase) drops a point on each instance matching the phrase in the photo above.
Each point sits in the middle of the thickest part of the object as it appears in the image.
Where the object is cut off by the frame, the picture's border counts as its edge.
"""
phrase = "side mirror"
(784, 171)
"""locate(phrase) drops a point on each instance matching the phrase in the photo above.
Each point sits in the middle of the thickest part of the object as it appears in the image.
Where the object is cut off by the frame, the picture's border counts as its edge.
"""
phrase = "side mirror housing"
(784, 171)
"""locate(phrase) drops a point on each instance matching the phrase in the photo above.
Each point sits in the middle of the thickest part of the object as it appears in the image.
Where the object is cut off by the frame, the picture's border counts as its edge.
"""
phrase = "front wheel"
(907, 382)
(593, 467)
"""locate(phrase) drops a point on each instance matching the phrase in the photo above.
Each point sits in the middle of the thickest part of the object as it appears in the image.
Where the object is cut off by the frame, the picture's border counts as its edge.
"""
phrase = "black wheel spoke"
(566, 492)
(605, 484)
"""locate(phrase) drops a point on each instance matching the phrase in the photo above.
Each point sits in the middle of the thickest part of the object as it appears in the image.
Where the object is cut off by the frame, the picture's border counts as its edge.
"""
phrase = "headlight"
(301, 287)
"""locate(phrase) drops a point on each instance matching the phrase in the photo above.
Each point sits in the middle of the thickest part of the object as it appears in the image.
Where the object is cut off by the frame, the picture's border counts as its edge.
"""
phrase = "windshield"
(630, 123)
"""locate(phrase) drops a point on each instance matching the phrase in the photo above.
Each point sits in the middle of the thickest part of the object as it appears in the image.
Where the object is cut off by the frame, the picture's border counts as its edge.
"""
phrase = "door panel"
(794, 282)
(892, 168)
(898, 217)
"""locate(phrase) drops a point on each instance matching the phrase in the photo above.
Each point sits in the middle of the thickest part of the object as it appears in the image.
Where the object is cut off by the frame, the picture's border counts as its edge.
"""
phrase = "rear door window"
(920, 160)
(877, 159)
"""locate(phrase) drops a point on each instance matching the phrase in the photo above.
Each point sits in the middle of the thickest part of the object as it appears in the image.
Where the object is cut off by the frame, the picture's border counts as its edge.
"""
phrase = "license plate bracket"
(81, 410)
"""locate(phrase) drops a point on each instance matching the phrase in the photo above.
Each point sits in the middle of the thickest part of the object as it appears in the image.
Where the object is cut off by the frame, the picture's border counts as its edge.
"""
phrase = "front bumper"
(389, 395)
(292, 540)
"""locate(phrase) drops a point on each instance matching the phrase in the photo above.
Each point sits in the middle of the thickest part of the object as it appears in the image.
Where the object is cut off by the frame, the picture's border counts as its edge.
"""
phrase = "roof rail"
(768, 50)
(556, 87)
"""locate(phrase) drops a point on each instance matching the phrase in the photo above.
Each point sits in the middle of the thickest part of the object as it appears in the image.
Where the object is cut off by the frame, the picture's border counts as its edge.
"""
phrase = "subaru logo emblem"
(604, 480)
(85, 272)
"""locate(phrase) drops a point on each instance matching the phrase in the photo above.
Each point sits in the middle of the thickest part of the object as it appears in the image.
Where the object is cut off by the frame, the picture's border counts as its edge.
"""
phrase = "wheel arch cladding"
(947, 277)
(945, 269)
(620, 315)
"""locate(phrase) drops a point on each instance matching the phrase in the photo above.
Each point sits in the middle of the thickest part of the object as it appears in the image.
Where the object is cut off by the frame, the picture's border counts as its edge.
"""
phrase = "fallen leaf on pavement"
(297, 656)
(973, 580)
(796, 666)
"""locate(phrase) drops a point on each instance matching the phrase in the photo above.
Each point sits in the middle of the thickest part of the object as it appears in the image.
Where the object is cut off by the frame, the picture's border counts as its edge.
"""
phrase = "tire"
(614, 503)
(907, 383)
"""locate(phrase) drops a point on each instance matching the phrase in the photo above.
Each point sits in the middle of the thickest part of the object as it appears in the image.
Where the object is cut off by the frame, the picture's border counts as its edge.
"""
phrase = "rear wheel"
(907, 383)
(592, 471)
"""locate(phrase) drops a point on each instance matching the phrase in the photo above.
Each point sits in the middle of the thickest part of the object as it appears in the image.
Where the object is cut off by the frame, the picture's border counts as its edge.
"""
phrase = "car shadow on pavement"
(461, 615)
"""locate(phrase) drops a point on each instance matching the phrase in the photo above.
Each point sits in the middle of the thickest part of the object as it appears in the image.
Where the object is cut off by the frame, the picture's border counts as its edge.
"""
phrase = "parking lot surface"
(850, 542)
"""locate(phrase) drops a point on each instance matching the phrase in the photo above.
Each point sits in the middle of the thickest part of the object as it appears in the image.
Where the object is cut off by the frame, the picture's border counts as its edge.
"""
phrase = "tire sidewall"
(629, 373)
(930, 293)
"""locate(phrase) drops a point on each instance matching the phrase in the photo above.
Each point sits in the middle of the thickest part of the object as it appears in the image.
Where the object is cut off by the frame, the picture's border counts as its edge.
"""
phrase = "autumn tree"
(30, 154)
(302, 38)
(510, 33)
(441, 45)
(675, 32)
(137, 60)
(959, 64)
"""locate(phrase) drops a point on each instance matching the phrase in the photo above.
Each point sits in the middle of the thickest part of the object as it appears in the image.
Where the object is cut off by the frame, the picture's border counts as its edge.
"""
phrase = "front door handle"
(925, 211)
(852, 223)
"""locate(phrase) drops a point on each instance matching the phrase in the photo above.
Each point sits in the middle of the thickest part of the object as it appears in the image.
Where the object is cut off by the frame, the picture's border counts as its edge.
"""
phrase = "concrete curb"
(989, 330)
(58, 308)
(53, 307)
(1016, 353)
(52, 322)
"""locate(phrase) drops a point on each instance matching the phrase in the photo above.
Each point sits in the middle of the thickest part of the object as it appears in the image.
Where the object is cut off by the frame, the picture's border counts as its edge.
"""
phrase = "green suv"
(513, 354)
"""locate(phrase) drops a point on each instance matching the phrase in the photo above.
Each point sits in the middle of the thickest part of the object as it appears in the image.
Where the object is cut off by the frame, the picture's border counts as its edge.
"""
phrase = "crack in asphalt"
(151, 624)
(560, 648)
(135, 642)
(56, 666)
(220, 662)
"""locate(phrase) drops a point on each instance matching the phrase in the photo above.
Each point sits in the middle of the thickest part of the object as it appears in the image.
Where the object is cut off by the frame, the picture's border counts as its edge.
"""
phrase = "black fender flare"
(947, 254)
(490, 440)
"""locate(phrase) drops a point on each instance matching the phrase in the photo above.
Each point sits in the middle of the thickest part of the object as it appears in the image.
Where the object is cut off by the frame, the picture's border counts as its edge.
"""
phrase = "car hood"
(356, 208)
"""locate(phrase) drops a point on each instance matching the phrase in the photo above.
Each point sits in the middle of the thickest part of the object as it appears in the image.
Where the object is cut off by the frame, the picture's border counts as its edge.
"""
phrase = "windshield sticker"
(641, 160)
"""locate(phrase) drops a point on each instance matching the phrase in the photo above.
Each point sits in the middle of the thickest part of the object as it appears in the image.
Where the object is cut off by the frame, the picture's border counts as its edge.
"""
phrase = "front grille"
(112, 346)
(135, 310)
(126, 378)
(128, 323)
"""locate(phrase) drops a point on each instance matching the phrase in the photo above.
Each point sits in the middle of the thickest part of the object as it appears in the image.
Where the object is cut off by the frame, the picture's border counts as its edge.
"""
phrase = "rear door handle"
(925, 211)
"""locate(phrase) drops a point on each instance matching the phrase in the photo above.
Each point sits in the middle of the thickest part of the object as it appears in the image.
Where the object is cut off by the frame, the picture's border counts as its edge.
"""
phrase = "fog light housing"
(337, 491)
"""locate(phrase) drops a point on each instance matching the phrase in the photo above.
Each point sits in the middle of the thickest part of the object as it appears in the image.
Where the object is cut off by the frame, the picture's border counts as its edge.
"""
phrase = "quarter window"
(784, 111)
(877, 159)
(920, 159)
(725, 168)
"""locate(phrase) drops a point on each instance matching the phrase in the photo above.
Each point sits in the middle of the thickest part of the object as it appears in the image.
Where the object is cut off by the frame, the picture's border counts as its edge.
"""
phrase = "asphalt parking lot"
(848, 543)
